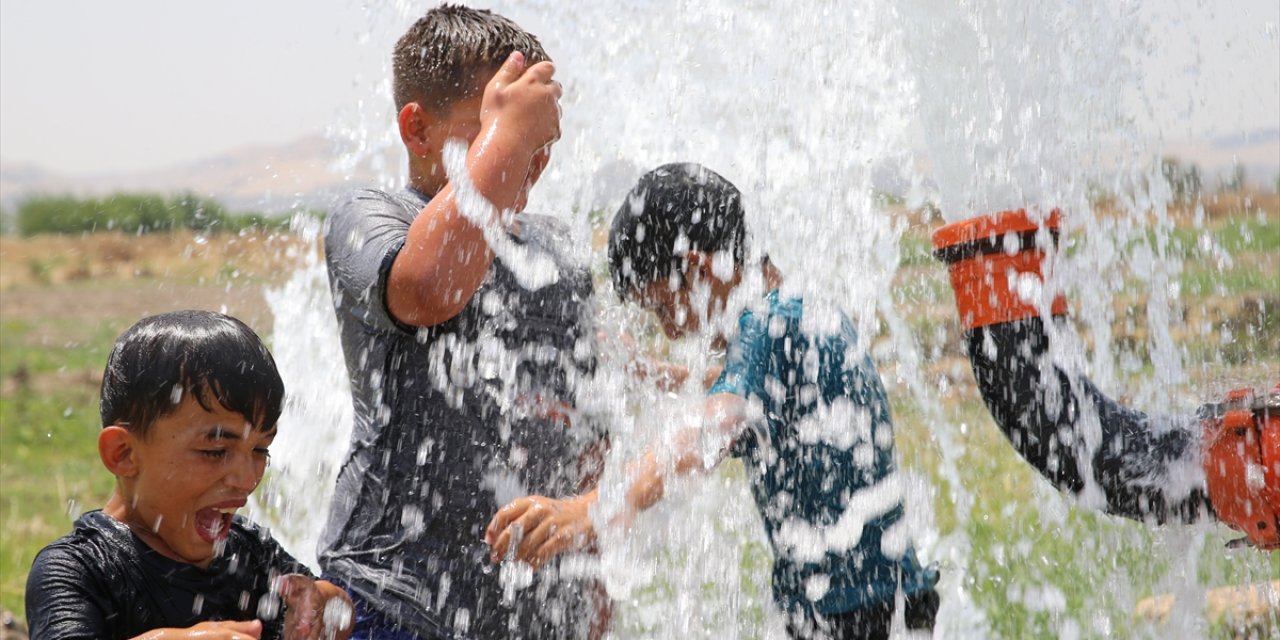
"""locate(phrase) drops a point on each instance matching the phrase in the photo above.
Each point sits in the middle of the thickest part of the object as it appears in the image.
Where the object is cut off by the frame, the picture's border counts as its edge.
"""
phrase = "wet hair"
(673, 209)
(451, 52)
(211, 356)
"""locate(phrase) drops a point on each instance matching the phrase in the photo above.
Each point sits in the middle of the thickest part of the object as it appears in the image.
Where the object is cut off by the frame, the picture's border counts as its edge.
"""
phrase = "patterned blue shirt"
(820, 463)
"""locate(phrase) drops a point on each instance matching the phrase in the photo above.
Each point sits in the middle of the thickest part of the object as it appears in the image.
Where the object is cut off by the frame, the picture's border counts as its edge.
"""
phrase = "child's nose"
(244, 473)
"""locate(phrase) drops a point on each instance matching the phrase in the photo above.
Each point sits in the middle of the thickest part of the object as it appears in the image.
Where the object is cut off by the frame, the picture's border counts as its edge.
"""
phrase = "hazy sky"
(88, 86)
(92, 86)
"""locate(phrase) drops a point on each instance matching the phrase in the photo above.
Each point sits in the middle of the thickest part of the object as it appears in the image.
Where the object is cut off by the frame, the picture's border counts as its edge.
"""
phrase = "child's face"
(191, 472)
(673, 308)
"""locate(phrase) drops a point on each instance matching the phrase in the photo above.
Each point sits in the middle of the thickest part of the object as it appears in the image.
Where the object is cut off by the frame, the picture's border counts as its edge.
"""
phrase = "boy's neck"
(772, 277)
(427, 176)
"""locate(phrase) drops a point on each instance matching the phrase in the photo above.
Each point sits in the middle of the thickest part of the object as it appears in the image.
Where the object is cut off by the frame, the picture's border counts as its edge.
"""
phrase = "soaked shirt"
(452, 422)
(821, 463)
(102, 581)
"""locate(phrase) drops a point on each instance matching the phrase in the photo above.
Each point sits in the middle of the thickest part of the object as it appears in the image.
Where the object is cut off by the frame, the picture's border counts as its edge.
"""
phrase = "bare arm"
(535, 529)
(670, 377)
(223, 630)
(445, 256)
(666, 376)
(696, 449)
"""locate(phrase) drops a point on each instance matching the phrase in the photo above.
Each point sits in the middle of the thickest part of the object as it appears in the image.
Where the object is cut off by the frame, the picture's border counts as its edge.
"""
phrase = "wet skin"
(180, 483)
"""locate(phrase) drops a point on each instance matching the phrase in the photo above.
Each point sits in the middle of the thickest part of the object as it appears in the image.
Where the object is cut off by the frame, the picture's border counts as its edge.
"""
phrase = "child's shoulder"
(790, 307)
(778, 316)
(367, 199)
(89, 559)
(92, 533)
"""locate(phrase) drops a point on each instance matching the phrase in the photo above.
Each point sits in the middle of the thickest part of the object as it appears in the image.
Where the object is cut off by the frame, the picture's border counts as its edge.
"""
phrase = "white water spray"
(816, 112)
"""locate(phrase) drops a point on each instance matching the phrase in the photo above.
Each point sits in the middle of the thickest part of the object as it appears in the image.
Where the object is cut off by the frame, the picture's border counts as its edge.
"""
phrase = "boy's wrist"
(590, 540)
(499, 136)
(499, 161)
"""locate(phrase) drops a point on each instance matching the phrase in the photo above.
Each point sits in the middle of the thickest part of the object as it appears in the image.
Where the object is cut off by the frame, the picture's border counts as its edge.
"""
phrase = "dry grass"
(182, 257)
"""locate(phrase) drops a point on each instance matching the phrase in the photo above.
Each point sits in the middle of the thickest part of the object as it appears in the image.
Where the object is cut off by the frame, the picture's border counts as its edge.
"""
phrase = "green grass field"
(48, 436)
(1035, 566)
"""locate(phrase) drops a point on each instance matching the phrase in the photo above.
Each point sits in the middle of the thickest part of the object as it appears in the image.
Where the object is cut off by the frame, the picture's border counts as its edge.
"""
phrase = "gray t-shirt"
(451, 422)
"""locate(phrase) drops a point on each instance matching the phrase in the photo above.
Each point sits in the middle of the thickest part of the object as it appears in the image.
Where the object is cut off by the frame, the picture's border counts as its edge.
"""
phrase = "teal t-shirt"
(820, 463)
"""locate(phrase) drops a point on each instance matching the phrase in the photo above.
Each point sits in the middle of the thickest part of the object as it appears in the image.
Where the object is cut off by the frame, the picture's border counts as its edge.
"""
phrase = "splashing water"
(316, 422)
(816, 112)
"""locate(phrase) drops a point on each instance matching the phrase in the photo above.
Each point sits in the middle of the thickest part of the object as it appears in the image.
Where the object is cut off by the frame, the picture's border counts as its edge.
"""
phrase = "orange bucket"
(1242, 464)
(987, 256)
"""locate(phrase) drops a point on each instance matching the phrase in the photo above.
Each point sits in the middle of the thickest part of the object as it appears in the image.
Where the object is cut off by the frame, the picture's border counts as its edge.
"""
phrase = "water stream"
(819, 112)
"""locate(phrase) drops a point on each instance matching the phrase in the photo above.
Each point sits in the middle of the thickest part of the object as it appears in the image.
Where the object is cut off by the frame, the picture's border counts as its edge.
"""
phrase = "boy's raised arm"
(535, 529)
(445, 257)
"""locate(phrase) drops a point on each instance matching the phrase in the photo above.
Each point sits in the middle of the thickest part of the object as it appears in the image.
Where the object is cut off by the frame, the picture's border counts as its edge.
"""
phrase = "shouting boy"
(462, 324)
(805, 410)
(189, 406)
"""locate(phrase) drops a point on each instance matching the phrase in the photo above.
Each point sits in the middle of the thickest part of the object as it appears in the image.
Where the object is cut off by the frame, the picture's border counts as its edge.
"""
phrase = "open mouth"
(214, 523)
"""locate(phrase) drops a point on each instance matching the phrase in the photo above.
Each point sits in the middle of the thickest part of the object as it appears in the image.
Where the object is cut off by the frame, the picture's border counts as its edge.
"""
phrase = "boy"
(807, 415)
(462, 325)
(189, 406)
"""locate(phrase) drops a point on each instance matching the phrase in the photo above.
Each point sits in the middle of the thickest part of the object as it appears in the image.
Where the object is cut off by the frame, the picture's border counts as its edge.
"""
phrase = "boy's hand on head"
(535, 529)
(315, 609)
(522, 105)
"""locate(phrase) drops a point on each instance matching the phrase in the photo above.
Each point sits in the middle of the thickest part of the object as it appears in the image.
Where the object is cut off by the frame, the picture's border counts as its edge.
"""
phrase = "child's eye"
(215, 454)
(262, 451)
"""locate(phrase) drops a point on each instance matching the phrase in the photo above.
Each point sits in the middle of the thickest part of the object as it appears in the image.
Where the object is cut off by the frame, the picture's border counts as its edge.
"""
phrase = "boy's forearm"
(664, 375)
(647, 485)
(668, 376)
(446, 257)
(723, 420)
(521, 527)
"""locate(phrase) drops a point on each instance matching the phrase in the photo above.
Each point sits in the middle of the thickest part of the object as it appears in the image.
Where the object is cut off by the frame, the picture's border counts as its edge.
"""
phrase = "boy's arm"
(221, 630)
(666, 376)
(445, 256)
(535, 529)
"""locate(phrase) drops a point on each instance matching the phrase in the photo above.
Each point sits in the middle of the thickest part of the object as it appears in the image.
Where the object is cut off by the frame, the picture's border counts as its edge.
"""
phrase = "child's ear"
(415, 129)
(116, 448)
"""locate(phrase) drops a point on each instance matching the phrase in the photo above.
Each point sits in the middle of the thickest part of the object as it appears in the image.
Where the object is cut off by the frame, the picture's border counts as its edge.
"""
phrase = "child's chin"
(203, 551)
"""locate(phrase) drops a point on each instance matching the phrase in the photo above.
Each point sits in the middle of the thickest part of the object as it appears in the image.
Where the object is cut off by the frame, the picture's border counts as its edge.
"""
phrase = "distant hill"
(272, 179)
(1257, 152)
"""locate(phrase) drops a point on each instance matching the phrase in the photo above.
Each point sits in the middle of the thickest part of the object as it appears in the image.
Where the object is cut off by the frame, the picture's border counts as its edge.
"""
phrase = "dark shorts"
(371, 626)
(871, 623)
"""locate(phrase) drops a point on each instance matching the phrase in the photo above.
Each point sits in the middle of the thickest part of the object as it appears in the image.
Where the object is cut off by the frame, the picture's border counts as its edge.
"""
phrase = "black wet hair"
(673, 209)
(451, 52)
(211, 356)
